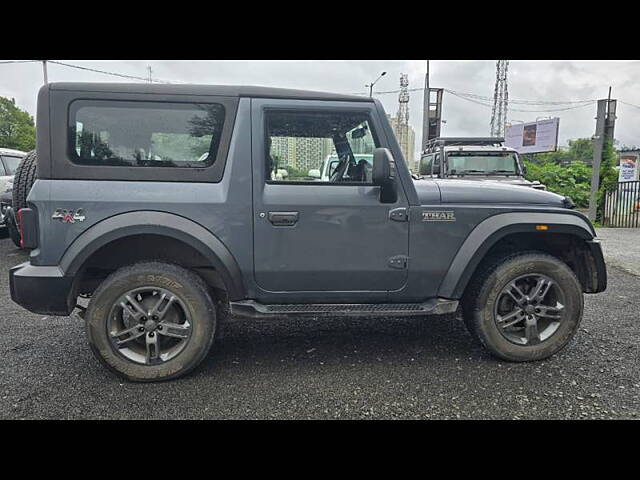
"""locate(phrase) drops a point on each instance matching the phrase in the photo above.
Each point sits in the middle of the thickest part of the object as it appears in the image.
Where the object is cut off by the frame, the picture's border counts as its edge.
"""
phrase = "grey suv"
(162, 206)
(478, 159)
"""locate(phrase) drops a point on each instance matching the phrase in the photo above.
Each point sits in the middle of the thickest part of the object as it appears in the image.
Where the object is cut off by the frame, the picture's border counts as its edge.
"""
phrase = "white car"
(9, 161)
(331, 162)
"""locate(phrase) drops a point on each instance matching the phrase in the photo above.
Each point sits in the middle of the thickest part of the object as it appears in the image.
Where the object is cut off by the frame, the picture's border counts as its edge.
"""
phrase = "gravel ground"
(392, 368)
(621, 247)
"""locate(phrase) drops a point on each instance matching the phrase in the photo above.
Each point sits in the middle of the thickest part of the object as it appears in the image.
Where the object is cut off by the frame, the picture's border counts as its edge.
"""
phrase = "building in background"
(408, 150)
(301, 153)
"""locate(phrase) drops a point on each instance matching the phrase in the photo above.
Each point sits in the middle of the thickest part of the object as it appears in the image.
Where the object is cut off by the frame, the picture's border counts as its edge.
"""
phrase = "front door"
(319, 224)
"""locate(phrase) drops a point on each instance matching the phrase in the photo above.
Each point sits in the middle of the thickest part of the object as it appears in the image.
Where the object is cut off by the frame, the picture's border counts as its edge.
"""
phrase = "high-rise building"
(301, 153)
(408, 151)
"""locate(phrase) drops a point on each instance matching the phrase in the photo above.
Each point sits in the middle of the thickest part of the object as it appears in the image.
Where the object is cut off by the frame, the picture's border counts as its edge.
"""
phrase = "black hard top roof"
(191, 89)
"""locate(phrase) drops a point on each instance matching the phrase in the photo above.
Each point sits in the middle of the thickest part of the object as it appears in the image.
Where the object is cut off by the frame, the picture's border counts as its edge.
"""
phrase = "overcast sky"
(528, 80)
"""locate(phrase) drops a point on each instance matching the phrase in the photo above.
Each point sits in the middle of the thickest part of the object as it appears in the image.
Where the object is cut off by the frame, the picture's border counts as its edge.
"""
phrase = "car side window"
(425, 164)
(313, 147)
(145, 134)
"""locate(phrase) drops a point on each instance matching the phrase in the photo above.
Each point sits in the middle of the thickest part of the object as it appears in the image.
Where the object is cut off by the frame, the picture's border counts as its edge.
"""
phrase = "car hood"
(490, 192)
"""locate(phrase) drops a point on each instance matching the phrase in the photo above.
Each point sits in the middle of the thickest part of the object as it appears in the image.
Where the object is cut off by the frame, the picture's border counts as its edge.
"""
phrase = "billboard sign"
(533, 137)
(628, 168)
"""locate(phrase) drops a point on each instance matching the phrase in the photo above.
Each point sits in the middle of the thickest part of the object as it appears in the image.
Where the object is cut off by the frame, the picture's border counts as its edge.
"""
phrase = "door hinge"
(399, 214)
(399, 261)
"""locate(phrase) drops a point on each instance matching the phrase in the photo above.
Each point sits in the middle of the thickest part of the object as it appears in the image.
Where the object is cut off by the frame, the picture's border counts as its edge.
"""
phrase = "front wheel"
(525, 307)
(151, 321)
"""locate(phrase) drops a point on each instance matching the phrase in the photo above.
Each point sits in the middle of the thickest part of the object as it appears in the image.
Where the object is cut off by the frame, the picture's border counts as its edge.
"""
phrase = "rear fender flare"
(156, 223)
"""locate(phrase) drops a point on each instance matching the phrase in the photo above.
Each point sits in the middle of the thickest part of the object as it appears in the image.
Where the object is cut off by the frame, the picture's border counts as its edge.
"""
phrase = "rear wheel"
(151, 321)
(524, 307)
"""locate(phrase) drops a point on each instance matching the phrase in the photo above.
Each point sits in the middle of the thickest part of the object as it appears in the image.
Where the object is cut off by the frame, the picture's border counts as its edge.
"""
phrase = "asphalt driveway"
(324, 369)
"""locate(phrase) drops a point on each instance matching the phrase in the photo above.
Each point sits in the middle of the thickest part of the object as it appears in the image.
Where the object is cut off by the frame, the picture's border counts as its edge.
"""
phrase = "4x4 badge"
(68, 216)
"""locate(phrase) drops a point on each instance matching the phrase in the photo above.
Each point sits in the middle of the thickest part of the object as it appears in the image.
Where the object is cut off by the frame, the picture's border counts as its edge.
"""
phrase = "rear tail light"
(27, 224)
(19, 225)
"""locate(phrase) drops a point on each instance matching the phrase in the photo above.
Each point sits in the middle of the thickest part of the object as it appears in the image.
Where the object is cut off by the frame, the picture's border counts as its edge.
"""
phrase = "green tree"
(574, 179)
(17, 129)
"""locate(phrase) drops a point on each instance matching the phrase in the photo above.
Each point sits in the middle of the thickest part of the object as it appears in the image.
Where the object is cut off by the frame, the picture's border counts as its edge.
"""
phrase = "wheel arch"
(159, 224)
(494, 232)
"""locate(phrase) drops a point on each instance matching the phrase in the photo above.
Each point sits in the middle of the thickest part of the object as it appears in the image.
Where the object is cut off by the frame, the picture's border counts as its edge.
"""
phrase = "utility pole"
(605, 124)
(432, 112)
(425, 110)
(598, 143)
(149, 74)
(44, 71)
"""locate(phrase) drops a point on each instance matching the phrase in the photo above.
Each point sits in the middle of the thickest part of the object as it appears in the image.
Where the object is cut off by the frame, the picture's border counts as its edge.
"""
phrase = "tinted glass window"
(425, 165)
(11, 163)
(482, 163)
(333, 147)
(145, 134)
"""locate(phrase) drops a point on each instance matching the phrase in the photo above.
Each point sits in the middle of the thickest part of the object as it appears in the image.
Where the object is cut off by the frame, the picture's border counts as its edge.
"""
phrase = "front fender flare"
(491, 230)
(156, 223)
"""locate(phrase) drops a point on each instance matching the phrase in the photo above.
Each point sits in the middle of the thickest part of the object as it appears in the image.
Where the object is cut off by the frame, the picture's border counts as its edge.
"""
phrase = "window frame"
(62, 166)
(75, 107)
(328, 111)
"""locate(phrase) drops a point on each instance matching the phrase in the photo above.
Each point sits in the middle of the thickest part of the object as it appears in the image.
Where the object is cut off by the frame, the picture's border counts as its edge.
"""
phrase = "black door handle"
(283, 219)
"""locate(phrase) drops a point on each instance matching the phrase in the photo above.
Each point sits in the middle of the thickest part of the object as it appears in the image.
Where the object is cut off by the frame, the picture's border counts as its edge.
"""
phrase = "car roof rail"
(439, 142)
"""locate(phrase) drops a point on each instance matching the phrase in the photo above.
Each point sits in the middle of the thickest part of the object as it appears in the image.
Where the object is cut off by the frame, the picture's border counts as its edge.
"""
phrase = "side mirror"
(436, 169)
(383, 175)
(524, 169)
(382, 160)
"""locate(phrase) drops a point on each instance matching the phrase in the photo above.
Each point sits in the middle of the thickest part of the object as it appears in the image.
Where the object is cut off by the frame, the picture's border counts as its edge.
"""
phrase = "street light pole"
(44, 71)
(373, 83)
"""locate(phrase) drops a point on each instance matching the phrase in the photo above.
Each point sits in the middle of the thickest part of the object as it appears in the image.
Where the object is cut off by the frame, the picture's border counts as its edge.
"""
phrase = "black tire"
(486, 288)
(12, 229)
(189, 289)
(23, 180)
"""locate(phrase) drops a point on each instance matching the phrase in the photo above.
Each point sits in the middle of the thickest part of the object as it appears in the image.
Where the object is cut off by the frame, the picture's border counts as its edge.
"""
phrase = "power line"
(18, 61)
(489, 99)
(541, 110)
(471, 97)
(121, 75)
(526, 102)
(630, 104)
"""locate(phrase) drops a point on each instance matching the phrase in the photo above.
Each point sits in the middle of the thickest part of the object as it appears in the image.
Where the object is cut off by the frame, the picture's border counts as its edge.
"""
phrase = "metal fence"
(622, 205)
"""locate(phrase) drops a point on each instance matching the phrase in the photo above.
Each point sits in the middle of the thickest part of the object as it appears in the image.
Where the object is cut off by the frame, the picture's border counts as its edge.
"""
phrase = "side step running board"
(253, 309)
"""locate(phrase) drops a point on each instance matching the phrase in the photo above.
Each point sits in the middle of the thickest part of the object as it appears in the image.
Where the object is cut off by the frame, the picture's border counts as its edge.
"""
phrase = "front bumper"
(43, 290)
(599, 273)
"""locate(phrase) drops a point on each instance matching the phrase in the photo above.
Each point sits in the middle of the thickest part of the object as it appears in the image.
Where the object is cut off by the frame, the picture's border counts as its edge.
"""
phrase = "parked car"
(361, 165)
(477, 159)
(9, 161)
(165, 241)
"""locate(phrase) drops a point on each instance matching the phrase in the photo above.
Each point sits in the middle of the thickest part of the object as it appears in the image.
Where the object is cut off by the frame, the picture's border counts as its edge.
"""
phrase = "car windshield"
(474, 163)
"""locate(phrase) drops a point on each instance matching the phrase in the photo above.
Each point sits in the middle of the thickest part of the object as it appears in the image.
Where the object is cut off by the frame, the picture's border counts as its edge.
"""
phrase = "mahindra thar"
(173, 208)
